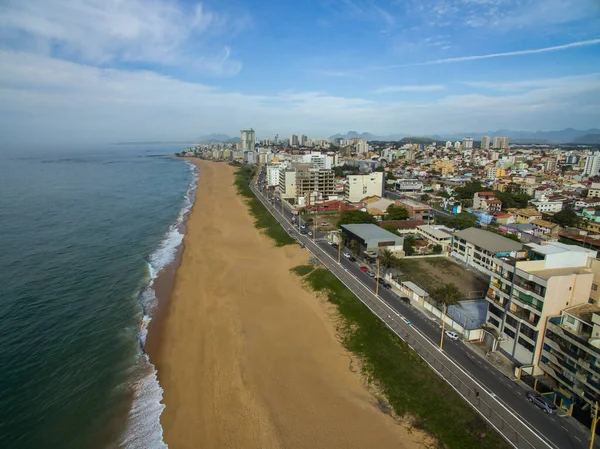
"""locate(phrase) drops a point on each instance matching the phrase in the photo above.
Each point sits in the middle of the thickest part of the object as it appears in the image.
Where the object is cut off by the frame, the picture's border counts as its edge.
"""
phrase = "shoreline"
(245, 355)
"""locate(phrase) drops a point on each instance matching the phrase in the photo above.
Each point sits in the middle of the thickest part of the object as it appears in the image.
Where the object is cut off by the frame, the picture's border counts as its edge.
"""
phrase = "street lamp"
(594, 422)
(377, 283)
(443, 328)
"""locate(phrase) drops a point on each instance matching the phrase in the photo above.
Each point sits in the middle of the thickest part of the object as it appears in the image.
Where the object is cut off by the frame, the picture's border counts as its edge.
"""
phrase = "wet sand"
(246, 356)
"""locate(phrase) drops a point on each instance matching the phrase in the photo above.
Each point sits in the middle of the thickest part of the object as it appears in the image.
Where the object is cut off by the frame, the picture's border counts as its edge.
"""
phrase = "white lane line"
(426, 338)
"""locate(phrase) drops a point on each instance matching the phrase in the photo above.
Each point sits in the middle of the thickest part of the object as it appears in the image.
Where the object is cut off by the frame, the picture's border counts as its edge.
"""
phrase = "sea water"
(83, 236)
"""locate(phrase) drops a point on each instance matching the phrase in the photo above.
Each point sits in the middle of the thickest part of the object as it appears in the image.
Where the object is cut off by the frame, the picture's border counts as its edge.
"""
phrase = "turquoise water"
(82, 235)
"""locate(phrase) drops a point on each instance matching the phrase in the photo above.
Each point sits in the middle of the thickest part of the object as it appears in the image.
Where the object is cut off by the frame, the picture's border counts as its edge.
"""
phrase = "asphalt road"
(525, 425)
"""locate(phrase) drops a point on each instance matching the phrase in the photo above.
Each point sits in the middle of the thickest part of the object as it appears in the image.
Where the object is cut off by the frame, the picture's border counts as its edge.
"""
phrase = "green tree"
(355, 217)
(409, 245)
(467, 191)
(396, 213)
(391, 229)
(447, 295)
(465, 220)
(437, 249)
(387, 260)
(424, 197)
(565, 217)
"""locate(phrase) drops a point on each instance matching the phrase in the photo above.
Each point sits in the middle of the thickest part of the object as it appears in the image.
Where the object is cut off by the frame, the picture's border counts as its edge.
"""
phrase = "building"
(545, 228)
(370, 237)
(438, 235)
(525, 290)
(287, 183)
(486, 201)
(416, 210)
(477, 248)
(408, 185)
(467, 143)
(485, 142)
(547, 206)
(571, 354)
(592, 165)
(594, 190)
(250, 157)
(303, 140)
(500, 143)
(294, 140)
(361, 147)
(313, 185)
(495, 172)
(525, 216)
(247, 140)
(360, 186)
(272, 175)
(444, 168)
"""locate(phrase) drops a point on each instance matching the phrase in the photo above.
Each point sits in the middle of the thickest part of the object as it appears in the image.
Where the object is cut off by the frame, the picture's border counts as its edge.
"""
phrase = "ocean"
(83, 236)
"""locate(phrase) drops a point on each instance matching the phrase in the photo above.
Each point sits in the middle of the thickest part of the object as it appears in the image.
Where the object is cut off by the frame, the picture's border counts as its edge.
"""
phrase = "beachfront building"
(247, 140)
(358, 187)
(287, 183)
(528, 287)
(314, 185)
(478, 248)
(571, 355)
(370, 237)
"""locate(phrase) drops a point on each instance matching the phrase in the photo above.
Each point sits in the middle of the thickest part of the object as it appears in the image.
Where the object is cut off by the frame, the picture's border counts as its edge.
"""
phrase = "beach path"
(247, 357)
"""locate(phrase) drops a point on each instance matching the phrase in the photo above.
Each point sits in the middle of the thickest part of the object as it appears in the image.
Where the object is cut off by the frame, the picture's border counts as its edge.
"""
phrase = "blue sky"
(103, 71)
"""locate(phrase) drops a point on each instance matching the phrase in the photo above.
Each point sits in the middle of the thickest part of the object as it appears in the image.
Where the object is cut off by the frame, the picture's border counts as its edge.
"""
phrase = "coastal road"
(501, 401)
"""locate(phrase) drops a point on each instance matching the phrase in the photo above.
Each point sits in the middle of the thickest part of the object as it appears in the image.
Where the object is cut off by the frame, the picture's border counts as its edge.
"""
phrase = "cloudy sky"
(116, 70)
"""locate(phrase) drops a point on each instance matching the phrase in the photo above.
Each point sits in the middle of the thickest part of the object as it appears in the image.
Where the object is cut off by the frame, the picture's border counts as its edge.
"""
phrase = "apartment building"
(547, 206)
(358, 187)
(315, 185)
(528, 287)
(486, 201)
(594, 190)
(571, 354)
(525, 216)
(478, 248)
(287, 183)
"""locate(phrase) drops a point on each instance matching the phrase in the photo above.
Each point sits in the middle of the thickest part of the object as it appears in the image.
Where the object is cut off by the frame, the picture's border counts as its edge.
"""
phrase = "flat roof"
(557, 248)
(368, 231)
(550, 272)
(489, 241)
(583, 311)
(437, 233)
(415, 288)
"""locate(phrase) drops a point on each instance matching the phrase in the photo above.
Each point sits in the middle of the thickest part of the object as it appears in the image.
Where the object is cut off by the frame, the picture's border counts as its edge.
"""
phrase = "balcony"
(525, 315)
(494, 299)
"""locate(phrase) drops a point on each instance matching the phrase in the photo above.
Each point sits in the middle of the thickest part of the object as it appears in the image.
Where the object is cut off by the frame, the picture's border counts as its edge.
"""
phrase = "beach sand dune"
(246, 356)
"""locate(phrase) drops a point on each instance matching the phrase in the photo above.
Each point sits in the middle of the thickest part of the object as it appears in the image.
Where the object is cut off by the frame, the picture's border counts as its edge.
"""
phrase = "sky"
(102, 71)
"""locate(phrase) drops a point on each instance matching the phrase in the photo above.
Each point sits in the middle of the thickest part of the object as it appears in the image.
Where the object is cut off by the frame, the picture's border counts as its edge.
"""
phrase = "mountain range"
(568, 135)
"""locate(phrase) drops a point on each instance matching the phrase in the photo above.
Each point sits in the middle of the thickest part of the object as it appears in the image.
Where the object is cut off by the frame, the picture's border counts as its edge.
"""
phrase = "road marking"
(577, 438)
(426, 338)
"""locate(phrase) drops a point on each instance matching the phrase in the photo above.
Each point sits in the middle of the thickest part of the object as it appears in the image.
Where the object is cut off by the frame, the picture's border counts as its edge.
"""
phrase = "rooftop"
(489, 241)
(413, 204)
(552, 272)
(434, 231)
(368, 231)
(583, 312)
(544, 223)
(557, 248)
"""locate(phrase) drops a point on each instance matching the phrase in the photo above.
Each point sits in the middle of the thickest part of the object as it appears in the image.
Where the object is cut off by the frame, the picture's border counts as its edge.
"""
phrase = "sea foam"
(143, 426)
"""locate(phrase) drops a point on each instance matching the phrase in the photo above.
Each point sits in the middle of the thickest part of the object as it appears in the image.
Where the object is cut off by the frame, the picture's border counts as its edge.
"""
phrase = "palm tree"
(387, 259)
(447, 295)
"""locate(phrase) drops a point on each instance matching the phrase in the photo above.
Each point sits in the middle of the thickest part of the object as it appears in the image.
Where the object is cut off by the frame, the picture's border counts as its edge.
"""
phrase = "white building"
(592, 165)
(449, 144)
(247, 140)
(467, 143)
(457, 145)
(362, 147)
(485, 142)
(547, 205)
(287, 183)
(360, 186)
(272, 175)
(500, 143)
(303, 140)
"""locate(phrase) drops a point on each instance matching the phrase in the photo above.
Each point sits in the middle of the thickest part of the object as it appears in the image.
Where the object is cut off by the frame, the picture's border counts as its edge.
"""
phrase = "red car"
(364, 269)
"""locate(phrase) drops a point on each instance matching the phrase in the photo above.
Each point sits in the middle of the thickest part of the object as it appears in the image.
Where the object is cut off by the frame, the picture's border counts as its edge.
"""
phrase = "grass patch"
(411, 387)
(262, 217)
(302, 270)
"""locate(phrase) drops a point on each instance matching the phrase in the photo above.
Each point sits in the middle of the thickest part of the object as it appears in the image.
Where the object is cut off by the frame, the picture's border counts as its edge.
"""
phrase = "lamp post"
(594, 422)
(377, 283)
(339, 233)
(443, 328)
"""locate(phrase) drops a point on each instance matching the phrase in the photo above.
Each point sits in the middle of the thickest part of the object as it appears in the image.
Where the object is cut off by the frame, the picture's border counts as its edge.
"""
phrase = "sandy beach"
(246, 356)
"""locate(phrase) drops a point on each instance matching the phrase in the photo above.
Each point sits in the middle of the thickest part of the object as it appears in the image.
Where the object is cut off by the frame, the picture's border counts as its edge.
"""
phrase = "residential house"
(594, 190)
(486, 201)
(545, 228)
(438, 235)
(416, 210)
(525, 215)
(547, 205)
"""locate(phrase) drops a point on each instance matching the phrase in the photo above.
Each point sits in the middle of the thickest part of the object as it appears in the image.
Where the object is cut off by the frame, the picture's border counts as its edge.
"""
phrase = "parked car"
(370, 273)
(452, 335)
(386, 285)
(303, 226)
(541, 402)
(303, 232)
(310, 233)
(381, 281)
(324, 223)
(334, 245)
(405, 300)
(364, 269)
(352, 259)
(347, 255)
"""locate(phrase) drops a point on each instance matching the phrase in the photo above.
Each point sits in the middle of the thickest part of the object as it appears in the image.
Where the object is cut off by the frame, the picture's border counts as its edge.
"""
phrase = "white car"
(347, 255)
(452, 335)
(310, 233)
(303, 226)
(324, 223)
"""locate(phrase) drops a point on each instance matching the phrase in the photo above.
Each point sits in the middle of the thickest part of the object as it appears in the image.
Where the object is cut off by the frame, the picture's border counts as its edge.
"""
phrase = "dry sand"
(247, 357)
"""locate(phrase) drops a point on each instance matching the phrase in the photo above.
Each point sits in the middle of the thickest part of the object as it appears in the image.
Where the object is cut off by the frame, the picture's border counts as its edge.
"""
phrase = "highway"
(501, 400)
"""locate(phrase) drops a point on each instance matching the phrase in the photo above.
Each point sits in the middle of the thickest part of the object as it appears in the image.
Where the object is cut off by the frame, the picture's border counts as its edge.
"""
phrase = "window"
(527, 331)
(591, 301)
(526, 344)
(511, 321)
(570, 319)
(494, 321)
(594, 287)
(510, 333)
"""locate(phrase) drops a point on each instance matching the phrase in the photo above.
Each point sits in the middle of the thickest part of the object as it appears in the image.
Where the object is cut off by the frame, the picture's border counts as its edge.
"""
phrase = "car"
(310, 233)
(303, 232)
(324, 223)
(303, 226)
(386, 285)
(370, 273)
(347, 255)
(289, 230)
(381, 281)
(352, 259)
(452, 335)
(364, 269)
(541, 402)
(405, 300)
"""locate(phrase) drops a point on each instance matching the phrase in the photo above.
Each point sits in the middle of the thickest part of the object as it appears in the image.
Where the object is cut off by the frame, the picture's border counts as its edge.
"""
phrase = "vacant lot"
(431, 273)
(330, 218)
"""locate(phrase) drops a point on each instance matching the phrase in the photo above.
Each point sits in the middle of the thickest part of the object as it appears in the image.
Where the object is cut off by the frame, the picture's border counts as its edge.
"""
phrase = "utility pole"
(594, 422)
(315, 225)
(443, 328)
(339, 233)
(281, 205)
(377, 283)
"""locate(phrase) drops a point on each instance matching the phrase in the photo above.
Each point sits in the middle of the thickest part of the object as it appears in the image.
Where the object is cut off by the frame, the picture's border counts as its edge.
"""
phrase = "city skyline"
(174, 70)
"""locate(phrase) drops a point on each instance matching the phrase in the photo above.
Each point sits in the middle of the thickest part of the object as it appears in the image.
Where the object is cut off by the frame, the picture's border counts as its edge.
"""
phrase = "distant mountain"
(211, 138)
(590, 139)
(367, 136)
(568, 135)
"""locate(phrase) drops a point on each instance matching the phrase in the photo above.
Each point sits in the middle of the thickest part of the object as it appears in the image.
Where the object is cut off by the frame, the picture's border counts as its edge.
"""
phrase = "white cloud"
(45, 100)
(105, 32)
(408, 88)
(578, 81)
